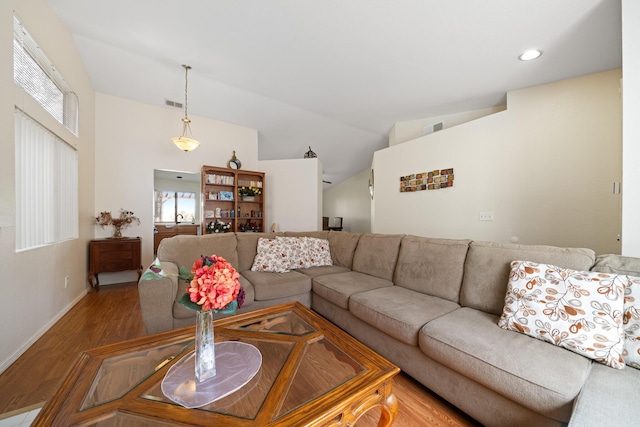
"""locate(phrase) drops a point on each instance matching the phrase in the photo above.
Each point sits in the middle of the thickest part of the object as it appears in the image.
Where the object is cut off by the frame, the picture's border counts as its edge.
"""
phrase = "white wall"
(631, 132)
(545, 167)
(133, 139)
(33, 296)
(409, 130)
(350, 200)
(293, 196)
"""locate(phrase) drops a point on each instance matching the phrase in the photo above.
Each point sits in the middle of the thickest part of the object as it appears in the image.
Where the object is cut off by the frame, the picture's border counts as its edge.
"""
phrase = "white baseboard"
(20, 351)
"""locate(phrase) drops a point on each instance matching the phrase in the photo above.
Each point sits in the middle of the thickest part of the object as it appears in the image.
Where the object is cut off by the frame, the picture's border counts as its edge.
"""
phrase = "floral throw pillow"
(631, 354)
(297, 248)
(307, 251)
(317, 253)
(272, 256)
(577, 310)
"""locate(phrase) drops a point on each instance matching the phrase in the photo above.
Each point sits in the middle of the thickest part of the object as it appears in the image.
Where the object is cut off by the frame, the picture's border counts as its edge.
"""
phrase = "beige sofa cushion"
(487, 266)
(316, 234)
(343, 245)
(268, 286)
(185, 250)
(337, 288)
(535, 374)
(432, 266)
(398, 312)
(322, 270)
(608, 398)
(376, 254)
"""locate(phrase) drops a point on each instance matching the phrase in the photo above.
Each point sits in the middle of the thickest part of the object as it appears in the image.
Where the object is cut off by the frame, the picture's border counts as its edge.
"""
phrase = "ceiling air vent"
(433, 128)
(173, 103)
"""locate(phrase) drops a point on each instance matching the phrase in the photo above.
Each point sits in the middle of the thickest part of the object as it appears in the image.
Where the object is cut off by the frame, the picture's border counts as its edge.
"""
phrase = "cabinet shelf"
(222, 202)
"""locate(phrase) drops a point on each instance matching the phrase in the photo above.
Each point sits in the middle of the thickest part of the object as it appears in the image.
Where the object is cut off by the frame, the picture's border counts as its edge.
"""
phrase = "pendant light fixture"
(186, 142)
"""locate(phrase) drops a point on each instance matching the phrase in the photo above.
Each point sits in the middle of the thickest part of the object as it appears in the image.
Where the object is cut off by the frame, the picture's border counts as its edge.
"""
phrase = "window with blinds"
(46, 167)
(46, 186)
(36, 74)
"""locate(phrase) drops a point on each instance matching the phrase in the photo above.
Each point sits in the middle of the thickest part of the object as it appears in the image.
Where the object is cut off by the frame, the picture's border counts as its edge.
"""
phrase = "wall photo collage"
(434, 180)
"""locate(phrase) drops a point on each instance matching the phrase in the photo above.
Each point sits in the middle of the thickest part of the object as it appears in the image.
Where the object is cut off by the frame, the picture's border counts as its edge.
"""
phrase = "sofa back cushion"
(376, 254)
(343, 246)
(248, 248)
(185, 250)
(432, 266)
(486, 269)
(316, 234)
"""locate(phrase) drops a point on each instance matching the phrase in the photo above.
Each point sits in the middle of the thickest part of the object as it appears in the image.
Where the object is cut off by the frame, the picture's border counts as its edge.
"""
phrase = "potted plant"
(248, 194)
(125, 219)
(218, 226)
(249, 226)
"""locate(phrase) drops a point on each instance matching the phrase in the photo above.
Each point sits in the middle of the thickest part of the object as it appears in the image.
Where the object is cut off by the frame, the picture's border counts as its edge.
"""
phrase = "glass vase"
(117, 232)
(205, 346)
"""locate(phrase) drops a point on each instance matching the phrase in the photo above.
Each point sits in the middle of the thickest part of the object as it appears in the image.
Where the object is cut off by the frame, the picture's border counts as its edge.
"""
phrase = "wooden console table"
(111, 255)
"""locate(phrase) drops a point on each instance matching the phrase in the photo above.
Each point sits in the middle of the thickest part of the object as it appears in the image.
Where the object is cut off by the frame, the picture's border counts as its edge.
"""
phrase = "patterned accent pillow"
(318, 252)
(297, 248)
(307, 251)
(631, 354)
(272, 256)
(580, 311)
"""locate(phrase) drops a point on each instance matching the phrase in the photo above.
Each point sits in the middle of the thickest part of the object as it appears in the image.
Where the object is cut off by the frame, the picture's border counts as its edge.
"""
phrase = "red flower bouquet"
(215, 285)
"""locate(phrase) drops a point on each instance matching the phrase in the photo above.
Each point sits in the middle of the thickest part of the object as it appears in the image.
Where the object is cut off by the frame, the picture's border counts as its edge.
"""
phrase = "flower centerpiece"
(214, 287)
(218, 226)
(249, 226)
(249, 193)
(125, 219)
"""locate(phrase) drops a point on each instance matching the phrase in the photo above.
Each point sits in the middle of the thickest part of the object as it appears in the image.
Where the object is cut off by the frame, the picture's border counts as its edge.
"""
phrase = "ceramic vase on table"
(205, 359)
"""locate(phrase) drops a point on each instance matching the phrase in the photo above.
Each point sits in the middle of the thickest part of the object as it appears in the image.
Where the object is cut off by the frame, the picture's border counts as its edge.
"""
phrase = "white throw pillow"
(577, 310)
(272, 256)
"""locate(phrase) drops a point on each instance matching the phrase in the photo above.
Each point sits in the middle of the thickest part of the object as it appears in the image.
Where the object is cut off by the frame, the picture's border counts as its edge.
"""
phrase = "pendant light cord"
(186, 85)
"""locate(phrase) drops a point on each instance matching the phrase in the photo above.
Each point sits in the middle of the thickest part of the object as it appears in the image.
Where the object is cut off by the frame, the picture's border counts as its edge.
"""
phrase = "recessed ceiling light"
(530, 54)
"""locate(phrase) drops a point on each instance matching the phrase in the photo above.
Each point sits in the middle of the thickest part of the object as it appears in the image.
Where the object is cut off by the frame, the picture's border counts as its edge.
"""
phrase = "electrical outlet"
(66, 282)
(485, 216)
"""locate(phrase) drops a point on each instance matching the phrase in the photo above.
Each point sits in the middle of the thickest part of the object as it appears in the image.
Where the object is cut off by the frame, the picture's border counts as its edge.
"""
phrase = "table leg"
(389, 411)
(93, 282)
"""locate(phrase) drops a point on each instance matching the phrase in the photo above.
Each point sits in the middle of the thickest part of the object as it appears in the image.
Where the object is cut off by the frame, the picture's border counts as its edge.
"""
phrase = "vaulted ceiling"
(336, 74)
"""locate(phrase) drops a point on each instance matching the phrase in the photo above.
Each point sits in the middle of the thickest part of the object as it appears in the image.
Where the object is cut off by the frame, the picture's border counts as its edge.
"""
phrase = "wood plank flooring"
(113, 314)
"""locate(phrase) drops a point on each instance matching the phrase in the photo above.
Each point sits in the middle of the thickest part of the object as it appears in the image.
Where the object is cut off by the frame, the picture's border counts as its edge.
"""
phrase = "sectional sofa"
(432, 307)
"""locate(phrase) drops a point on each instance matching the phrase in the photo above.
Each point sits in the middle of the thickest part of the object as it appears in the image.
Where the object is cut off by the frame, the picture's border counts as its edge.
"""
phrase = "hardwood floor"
(105, 317)
(113, 315)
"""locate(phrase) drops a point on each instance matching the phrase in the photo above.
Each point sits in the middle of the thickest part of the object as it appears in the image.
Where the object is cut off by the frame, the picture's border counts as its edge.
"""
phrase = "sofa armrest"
(157, 296)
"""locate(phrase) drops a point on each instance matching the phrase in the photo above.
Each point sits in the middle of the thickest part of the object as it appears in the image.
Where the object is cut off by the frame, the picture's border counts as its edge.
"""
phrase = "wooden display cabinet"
(221, 201)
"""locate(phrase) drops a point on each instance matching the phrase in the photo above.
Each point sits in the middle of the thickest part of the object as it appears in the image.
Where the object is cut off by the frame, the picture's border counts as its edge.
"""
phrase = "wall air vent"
(435, 127)
(173, 103)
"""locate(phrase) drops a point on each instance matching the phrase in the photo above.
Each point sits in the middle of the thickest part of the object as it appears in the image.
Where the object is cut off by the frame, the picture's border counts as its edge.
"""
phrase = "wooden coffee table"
(312, 374)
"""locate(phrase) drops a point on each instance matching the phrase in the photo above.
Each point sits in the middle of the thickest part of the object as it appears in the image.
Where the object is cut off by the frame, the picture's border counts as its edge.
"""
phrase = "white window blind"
(46, 186)
(36, 74)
